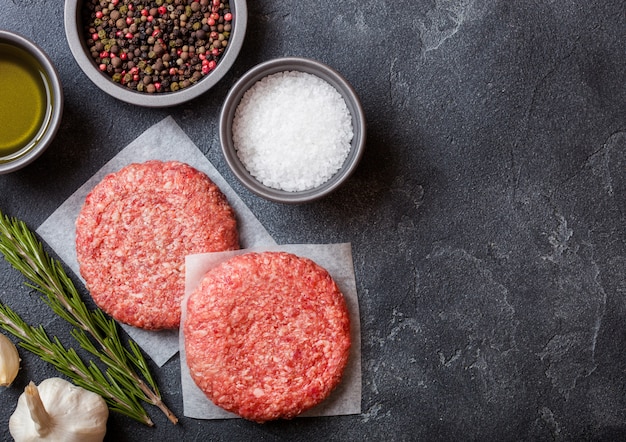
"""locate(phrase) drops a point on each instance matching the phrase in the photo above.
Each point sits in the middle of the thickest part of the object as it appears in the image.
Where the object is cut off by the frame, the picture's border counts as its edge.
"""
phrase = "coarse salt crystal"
(292, 131)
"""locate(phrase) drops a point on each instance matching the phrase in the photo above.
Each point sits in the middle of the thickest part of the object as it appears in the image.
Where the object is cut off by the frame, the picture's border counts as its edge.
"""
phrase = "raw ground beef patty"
(134, 231)
(267, 335)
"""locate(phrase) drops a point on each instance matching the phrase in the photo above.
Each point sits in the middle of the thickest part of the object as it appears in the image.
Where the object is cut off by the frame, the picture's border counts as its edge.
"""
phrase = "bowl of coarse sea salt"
(292, 130)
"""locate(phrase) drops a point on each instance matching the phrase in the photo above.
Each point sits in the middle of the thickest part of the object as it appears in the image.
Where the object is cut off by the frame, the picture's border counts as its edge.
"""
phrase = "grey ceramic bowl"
(53, 103)
(302, 65)
(74, 35)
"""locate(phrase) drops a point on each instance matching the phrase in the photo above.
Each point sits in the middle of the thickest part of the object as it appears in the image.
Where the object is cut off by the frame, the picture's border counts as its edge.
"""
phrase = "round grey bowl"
(76, 41)
(53, 102)
(309, 66)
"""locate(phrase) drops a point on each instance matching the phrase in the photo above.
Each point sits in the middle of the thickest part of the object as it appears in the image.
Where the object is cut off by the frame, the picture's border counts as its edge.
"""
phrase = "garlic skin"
(57, 410)
(9, 361)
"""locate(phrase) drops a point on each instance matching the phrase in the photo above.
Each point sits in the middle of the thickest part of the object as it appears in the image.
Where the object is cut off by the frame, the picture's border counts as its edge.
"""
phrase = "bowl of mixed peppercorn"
(155, 53)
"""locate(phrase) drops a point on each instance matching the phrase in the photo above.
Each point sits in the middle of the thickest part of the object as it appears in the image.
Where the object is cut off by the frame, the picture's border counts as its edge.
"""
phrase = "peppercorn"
(158, 43)
(197, 75)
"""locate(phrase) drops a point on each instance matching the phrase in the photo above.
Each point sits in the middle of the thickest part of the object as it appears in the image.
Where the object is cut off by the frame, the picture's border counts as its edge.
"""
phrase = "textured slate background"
(487, 216)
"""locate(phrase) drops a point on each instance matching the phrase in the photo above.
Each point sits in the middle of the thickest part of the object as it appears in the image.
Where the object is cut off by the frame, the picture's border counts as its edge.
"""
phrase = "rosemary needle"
(95, 332)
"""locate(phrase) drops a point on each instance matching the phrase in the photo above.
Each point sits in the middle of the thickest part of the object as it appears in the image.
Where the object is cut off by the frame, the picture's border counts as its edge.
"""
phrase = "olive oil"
(25, 102)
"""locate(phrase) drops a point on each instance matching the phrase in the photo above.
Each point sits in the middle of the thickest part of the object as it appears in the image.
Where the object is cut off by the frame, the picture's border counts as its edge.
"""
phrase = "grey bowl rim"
(301, 64)
(54, 80)
(79, 51)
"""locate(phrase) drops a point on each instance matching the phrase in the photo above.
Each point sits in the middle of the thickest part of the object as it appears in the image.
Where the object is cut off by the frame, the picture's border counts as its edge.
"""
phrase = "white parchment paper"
(337, 260)
(164, 141)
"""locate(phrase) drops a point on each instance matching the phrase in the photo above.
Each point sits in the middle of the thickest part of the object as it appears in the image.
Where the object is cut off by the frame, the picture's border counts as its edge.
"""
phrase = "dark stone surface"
(487, 217)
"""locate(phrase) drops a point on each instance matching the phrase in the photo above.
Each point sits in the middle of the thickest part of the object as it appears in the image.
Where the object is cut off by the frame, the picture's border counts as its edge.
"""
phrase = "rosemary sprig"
(67, 361)
(25, 252)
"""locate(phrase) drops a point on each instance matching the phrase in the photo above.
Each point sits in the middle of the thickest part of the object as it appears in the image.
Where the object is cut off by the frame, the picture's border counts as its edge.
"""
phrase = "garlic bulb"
(9, 361)
(58, 411)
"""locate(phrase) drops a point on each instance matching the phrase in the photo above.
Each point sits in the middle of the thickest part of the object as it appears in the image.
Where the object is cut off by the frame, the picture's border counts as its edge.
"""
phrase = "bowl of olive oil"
(31, 101)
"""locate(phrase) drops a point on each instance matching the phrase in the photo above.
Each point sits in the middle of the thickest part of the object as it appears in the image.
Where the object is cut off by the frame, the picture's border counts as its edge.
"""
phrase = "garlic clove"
(9, 361)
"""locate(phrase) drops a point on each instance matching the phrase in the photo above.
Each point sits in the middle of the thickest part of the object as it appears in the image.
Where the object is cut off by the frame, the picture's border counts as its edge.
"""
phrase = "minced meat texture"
(267, 335)
(134, 231)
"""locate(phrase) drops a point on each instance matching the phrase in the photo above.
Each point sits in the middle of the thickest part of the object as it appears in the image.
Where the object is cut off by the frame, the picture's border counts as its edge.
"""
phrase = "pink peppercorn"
(162, 10)
(94, 36)
(208, 66)
(228, 16)
(99, 14)
(103, 67)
